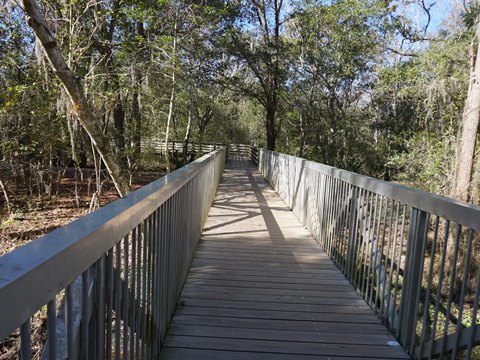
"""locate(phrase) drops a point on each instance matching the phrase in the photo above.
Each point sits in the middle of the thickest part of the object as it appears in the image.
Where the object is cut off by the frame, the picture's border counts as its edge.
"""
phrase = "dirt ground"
(33, 216)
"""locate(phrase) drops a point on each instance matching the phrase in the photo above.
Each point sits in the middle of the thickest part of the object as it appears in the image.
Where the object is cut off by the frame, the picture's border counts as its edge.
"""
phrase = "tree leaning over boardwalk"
(73, 87)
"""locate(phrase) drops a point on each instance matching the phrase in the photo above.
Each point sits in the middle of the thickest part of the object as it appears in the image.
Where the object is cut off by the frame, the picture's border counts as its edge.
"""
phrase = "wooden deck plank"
(254, 305)
(285, 347)
(281, 335)
(279, 324)
(313, 300)
(261, 288)
(201, 354)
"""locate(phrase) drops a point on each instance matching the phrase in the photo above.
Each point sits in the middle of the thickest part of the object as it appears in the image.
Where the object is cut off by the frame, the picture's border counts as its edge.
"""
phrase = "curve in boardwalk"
(261, 288)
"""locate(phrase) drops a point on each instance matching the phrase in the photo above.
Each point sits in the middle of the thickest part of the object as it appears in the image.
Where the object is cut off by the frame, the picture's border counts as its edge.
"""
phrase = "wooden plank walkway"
(261, 288)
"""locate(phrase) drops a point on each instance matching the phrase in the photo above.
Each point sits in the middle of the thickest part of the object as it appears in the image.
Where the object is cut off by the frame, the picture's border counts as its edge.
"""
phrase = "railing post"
(352, 234)
(412, 279)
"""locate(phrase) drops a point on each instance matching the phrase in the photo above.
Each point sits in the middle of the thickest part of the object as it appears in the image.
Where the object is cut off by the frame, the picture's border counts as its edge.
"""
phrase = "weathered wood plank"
(282, 335)
(313, 300)
(254, 305)
(270, 285)
(278, 292)
(279, 324)
(286, 347)
(324, 280)
(169, 353)
(319, 274)
(280, 315)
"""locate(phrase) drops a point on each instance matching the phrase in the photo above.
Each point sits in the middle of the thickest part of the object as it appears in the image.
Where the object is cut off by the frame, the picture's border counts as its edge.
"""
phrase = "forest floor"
(33, 216)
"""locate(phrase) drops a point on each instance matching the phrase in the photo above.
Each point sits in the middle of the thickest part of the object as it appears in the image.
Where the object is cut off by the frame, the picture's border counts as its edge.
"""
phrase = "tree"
(73, 87)
(469, 127)
(255, 40)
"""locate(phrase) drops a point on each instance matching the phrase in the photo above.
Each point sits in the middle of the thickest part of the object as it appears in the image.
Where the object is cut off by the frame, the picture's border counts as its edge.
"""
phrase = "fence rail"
(176, 146)
(413, 256)
(109, 281)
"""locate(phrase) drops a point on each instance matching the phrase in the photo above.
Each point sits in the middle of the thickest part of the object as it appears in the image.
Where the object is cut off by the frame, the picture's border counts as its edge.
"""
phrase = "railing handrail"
(455, 210)
(31, 274)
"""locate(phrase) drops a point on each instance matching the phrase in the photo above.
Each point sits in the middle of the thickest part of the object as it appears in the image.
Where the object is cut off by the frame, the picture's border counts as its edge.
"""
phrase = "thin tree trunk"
(8, 203)
(302, 137)
(119, 124)
(468, 137)
(137, 118)
(187, 135)
(172, 93)
(74, 89)
(137, 79)
(270, 126)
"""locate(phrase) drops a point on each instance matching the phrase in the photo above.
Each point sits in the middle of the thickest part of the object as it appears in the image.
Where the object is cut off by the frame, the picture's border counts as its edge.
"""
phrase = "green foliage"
(426, 162)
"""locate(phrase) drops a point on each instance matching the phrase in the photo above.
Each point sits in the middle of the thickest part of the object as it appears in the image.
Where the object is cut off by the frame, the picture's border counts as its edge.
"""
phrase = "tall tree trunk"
(302, 137)
(137, 79)
(77, 96)
(271, 109)
(186, 139)
(466, 143)
(119, 124)
(173, 91)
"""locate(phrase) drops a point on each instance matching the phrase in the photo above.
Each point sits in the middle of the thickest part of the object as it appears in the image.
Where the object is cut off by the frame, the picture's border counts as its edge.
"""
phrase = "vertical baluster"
(126, 298)
(462, 293)
(335, 219)
(148, 331)
(418, 289)
(330, 213)
(133, 300)
(158, 281)
(101, 307)
(453, 274)
(379, 257)
(25, 341)
(392, 262)
(341, 225)
(154, 298)
(85, 318)
(352, 229)
(138, 304)
(345, 230)
(371, 244)
(366, 242)
(474, 317)
(397, 276)
(375, 247)
(439, 288)
(385, 276)
(162, 260)
(118, 299)
(144, 265)
(69, 320)
(52, 328)
(358, 258)
(426, 302)
(109, 277)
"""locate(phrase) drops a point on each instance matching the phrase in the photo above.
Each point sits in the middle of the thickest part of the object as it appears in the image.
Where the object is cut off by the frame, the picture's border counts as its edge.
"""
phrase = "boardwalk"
(260, 288)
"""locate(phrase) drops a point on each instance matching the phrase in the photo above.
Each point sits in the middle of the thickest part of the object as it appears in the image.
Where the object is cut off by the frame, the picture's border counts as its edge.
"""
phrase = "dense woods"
(362, 85)
(388, 89)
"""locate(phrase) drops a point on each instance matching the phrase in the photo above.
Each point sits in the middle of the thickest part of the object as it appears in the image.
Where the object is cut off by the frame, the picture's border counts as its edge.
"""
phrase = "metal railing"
(413, 256)
(109, 282)
(242, 151)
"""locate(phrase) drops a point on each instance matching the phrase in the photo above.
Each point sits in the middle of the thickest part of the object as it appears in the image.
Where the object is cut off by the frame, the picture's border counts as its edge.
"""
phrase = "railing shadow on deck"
(407, 252)
(243, 178)
(109, 282)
